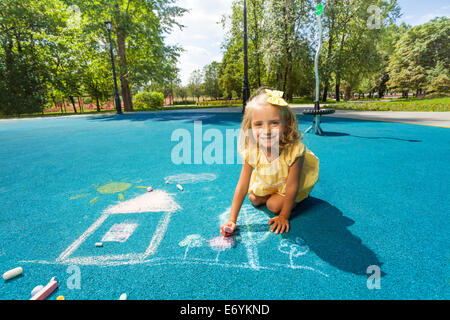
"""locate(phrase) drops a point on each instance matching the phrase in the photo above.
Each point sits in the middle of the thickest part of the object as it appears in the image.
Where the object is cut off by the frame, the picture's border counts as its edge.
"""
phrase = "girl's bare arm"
(241, 191)
(292, 185)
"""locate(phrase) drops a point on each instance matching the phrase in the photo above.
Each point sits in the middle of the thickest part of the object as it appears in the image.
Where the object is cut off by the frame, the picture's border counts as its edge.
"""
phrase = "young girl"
(278, 170)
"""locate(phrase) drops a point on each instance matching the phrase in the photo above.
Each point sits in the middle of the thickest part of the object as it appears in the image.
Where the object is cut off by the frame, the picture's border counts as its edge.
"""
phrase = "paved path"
(438, 119)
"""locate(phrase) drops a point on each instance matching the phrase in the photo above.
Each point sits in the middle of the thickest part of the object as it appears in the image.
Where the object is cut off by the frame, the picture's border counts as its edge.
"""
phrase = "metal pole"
(246, 88)
(116, 90)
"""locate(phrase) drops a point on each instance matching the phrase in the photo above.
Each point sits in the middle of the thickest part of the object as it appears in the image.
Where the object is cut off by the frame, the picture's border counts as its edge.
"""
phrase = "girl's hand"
(231, 226)
(280, 224)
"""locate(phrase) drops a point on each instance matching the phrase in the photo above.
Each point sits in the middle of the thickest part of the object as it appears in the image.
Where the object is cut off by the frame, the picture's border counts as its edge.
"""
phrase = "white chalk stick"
(46, 291)
(12, 273)
(123, 296)
(37, 289)
(180, 187)
(99, 244)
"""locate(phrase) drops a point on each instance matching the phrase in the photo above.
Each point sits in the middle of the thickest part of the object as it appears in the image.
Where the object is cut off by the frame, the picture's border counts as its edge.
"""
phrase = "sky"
(203, 35)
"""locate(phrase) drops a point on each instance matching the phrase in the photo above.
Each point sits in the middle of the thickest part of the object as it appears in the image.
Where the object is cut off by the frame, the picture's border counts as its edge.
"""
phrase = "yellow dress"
(269, 177)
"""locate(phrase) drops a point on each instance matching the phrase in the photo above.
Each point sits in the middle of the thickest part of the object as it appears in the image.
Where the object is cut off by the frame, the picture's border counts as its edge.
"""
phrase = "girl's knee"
(273, 205)
(255, 200)
(252, 198)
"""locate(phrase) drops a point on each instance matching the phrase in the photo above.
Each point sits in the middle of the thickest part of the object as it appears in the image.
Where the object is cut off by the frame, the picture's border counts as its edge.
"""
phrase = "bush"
(436, 104)
(182, 103)
(218, 102)
(149, 100)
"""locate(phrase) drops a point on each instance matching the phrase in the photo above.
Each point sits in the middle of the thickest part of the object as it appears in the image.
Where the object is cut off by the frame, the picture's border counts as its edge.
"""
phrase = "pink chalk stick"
(149, 189)
(228, 229)
(46, 291)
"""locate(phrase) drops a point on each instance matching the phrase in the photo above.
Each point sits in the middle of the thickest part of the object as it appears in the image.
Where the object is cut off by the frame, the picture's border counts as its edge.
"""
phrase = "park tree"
(138, 28)
(23, 70)
(195, 85)
(231, 69)
(284, 40)
(351, 39)
(277, 47)
(211, 80)
(420, 55)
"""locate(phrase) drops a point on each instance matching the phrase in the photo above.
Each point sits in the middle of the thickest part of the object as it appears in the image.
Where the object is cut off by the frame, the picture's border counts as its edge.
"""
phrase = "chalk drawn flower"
(293, 248)
(191, 241)
(220, 244)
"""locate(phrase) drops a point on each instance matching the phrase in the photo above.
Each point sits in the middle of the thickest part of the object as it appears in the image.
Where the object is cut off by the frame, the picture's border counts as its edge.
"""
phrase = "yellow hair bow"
(276, 98)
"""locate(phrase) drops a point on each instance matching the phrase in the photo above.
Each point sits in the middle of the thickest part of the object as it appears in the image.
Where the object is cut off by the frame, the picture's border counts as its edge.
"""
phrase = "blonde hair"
(291, 133)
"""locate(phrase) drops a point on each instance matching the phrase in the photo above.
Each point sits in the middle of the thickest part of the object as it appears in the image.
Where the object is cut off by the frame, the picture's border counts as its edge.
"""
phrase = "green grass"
(411, 104)
(201, 107)
(309, 100)
(53, 114)
(433, 105)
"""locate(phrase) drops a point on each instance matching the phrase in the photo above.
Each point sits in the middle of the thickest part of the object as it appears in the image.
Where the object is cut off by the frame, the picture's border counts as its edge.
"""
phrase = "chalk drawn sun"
(120, 188)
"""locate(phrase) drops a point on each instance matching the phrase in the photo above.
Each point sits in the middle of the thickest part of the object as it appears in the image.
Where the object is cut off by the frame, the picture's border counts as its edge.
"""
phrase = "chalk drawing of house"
(155, 201)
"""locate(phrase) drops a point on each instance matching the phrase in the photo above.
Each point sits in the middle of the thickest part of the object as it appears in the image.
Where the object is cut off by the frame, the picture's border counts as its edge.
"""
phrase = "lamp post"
(246, 88)
(116, 91)
(317, 112)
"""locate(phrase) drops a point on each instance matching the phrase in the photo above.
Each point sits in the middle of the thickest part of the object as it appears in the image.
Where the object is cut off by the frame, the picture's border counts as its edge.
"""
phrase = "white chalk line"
(158, 235)
(137, 259)
(186, 178)
(82, 238)
(157, 201)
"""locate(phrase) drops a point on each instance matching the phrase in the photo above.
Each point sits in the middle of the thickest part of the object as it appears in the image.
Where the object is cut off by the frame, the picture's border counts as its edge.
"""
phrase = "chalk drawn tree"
(191, 241)
(293, 248)
(253, 229)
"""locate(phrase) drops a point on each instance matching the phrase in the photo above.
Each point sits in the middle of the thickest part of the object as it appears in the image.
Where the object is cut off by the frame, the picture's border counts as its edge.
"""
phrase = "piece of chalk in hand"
(12, 273)
(99, 244)
(180, 187)
(228, 229)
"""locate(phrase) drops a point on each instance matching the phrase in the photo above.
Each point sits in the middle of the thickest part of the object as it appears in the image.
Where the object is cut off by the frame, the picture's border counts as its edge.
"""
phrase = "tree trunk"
(80, 105)
(124, 82)
(327, 63)
(256, 43)
(338, 89)
(72, 100)
(347, 93)
(98, 104)
(63, 106)
(279, 78)
(54, 101)
(325, 92)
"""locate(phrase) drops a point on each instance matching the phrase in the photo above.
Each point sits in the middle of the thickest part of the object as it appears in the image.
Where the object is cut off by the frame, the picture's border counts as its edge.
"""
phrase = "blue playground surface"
(382, 200)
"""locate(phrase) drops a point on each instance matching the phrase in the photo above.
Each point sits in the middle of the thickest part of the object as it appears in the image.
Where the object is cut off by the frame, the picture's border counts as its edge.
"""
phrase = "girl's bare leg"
(257, 200)
(275, 203)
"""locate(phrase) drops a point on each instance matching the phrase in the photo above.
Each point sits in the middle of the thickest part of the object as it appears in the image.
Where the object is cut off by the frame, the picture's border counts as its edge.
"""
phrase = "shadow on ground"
(324, 229)
(341, 134)
(206, 118)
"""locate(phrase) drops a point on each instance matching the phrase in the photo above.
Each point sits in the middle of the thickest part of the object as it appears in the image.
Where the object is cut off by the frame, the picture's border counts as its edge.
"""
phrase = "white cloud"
(202, 35)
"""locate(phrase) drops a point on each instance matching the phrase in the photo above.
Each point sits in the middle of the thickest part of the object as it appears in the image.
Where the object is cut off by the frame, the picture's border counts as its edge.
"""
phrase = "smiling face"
(267, 125)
